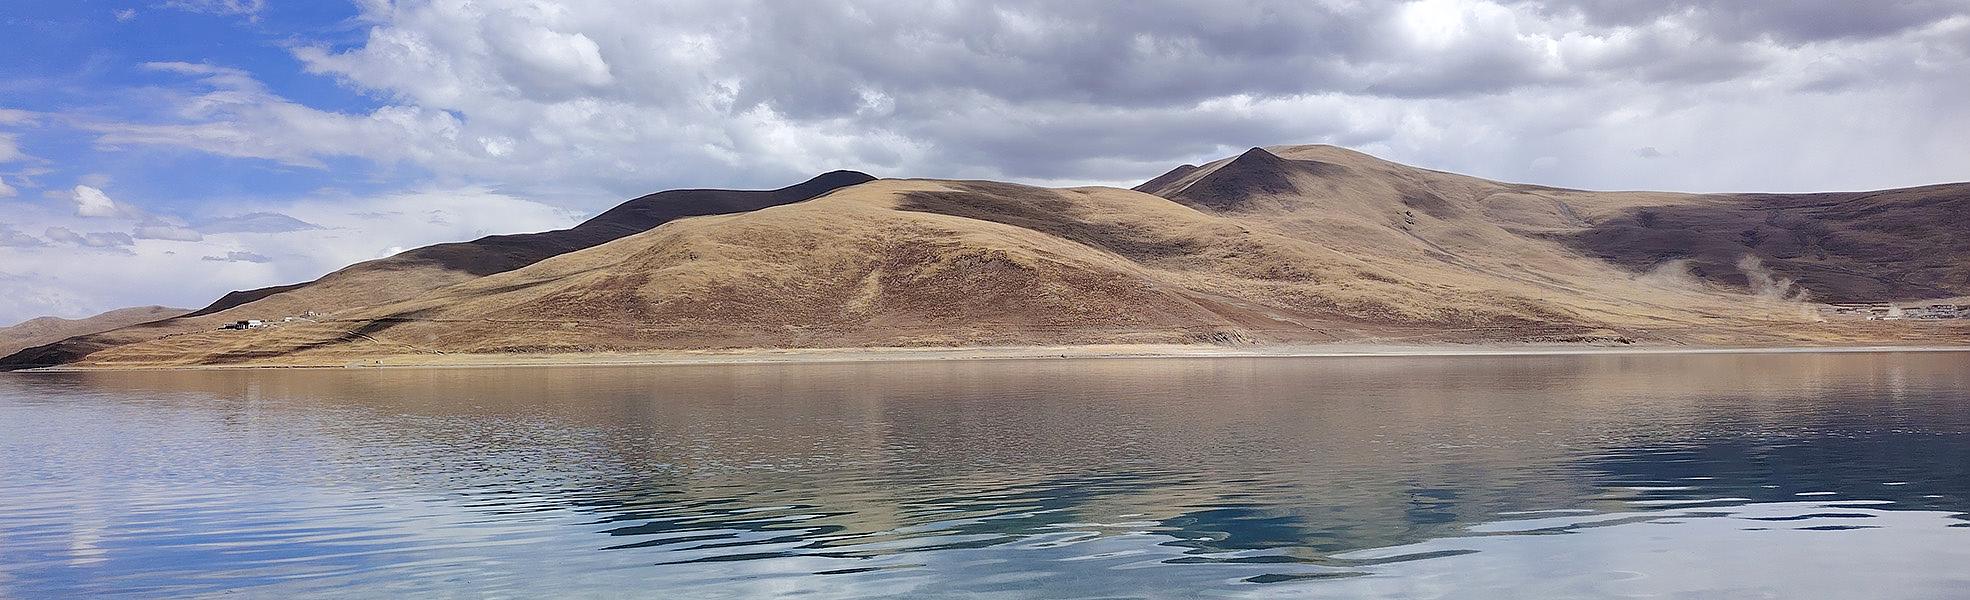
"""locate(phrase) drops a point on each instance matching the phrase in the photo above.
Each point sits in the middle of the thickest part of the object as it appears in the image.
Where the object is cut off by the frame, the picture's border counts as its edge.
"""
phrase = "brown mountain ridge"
(1278, 245)
(421, 270)
(43, 330)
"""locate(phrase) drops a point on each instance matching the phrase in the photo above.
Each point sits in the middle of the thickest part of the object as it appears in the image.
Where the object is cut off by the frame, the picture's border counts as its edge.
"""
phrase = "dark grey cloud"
(254, 222)
(1149, 53)
(825, 59)
(814, 60)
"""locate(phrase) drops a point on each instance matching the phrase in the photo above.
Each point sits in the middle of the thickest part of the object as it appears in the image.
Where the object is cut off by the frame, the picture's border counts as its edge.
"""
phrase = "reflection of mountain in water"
(1299, 459)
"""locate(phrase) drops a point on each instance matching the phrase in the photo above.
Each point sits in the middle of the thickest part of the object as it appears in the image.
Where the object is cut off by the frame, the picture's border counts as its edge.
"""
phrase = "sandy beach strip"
(876, 355)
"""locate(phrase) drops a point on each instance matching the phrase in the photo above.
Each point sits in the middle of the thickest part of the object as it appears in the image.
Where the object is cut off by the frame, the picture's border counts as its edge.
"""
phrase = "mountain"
(416, 272)
(1280, 245)
(1890, 245)
(1277, 245)
(1905, 244)
(35, 332)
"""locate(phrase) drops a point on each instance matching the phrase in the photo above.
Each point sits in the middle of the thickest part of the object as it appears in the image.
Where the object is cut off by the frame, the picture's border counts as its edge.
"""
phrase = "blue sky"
(168, 151)
(81, 61)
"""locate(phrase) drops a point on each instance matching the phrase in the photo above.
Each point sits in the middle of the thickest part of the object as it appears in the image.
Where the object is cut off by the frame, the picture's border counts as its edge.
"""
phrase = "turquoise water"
(1739, 476)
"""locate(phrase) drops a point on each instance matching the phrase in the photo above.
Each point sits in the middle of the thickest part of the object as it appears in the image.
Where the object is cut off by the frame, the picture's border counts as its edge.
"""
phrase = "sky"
(169, 151)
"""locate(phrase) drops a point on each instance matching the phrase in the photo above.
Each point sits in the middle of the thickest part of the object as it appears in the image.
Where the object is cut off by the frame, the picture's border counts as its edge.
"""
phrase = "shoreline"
(787, 356)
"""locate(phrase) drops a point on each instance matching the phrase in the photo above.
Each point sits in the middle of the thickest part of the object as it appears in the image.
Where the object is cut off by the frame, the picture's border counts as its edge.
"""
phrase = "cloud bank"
(633, 96)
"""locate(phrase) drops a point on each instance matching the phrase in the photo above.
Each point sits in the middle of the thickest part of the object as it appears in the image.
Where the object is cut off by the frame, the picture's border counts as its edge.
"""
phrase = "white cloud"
(237, 116)
(92, 202)
(7, 191)
(358, 229)
(551, 59)
(125, 15)
(160, 263)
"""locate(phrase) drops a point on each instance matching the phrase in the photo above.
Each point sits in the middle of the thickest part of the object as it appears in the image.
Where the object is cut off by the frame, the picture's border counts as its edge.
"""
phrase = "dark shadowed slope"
(1903, 244)
(414, 272)
(501, 253)
(35, 332)
(236, 298)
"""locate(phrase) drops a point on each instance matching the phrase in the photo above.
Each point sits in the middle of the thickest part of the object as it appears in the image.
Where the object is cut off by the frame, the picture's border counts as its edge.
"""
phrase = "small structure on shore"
(1884, 311)
(246, 324)
(1934, 312)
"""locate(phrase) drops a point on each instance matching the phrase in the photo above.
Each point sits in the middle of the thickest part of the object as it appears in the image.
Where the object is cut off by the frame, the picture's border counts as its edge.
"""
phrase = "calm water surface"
(1740, 476)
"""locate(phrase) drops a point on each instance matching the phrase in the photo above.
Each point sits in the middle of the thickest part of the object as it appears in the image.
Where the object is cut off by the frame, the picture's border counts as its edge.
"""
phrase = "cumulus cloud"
(627, 97)
(92, 202)
(7, 191)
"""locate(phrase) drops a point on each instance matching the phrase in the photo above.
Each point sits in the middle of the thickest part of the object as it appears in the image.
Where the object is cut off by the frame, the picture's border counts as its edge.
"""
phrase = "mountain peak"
(1257, 172)
(1257, 153)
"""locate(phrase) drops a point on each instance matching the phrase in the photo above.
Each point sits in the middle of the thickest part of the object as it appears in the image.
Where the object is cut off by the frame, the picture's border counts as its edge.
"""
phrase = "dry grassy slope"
(1287, 244)
(1888, 245)
(1901, 244)
(1461, 234)
(921, 262)
(35, 332)
(417, 272)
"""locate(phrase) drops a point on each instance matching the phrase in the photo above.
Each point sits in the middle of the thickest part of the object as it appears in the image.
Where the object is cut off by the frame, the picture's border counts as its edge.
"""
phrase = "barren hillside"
(35, 332)
(1890, 245)
(1283, 245)
(419, 271)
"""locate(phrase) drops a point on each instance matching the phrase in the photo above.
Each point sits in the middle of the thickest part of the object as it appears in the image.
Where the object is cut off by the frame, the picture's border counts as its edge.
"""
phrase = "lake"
(1591, 476)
